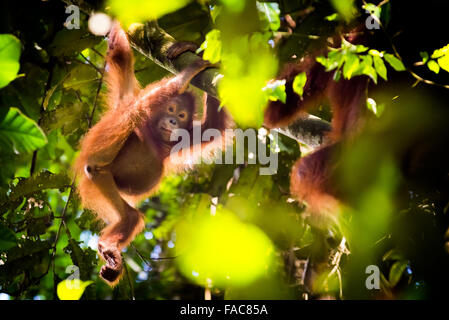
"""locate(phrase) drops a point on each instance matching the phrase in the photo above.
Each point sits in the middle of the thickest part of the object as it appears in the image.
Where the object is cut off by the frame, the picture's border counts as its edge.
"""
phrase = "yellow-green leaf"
(9, 58)
(379, 65)
(444, 62)
(394, 62)
(440, 52)
(212, 46)
(71, 289)
(376, 109)
(20, 133)
(433, 66)
(276, 90)
(299, 82)
(142, 10)
(351, 65)
(269, 15)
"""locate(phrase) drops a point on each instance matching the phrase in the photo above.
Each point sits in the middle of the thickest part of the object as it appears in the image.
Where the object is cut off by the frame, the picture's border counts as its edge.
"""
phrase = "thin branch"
(64, 211)
(131, 288)
(409, 70)
(91, 64)
(46, 89)
(89, 120)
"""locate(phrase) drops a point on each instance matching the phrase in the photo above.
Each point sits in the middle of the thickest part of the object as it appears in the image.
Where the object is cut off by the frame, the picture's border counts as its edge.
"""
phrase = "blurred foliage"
(226, 227)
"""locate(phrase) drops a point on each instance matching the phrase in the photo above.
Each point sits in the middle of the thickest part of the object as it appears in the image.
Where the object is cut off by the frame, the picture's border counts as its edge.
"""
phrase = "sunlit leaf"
(394, 62)
(9, 58)
(20, 133)
(360, 48)
(71, 289)
(142, 10)
(440, 52)
(212, 46)
(331, 17)
(335, 59)
(269, 15)
(366, 67)
(323, 61)
(351, 65)
(443, 62)
(276, 90)
(379, 65)
(433, 66)
(374, 107)
(221, 250)
(299, 82)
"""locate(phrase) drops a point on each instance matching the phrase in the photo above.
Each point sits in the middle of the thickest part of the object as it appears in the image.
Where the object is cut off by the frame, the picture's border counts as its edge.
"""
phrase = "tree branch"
(153, 42)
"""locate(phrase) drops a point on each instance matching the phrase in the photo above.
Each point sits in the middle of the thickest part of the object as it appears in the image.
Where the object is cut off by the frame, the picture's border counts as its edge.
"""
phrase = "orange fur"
(311, 175)
(124, 156)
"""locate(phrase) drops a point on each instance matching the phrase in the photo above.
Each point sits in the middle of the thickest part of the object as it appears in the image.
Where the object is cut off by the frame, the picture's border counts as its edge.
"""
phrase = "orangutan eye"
(171, 109)
(182, 115)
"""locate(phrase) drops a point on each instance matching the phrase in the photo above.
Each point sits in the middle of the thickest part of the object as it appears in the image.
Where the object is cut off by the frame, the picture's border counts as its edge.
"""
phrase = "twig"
(91, 64)
(413, 74)
(89, 120)
(131, 288)
(47, 87)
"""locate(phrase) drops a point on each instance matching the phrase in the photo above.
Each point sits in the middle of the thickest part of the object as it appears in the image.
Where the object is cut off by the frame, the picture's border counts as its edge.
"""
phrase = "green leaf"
(351, 65)
(332, 17)
(440, 52)
(299, 82)
(433, 66)
(366, 68)
(396, 271)
(444, 62)
(376, 109)
(379, 65)
(20, 133)
(360, 48)
(323, 61)
(337, 75)
(212, 46)
(276, 90)
(336, 59)
(425, 56)
(394, 62)
(9, 58)
(269, 15)
(7, 238)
